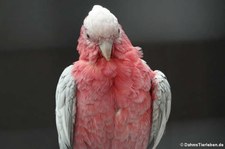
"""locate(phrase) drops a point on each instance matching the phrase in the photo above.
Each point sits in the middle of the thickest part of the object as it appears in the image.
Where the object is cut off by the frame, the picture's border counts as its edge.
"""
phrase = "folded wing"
(161, 107)
(65, 108)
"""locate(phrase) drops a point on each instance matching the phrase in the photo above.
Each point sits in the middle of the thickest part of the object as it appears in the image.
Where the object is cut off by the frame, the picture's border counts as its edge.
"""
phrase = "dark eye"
(88, 36)
(118, 30)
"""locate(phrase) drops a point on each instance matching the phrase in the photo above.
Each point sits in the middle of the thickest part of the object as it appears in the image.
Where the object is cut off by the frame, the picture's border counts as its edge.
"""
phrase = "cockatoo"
(110, 98)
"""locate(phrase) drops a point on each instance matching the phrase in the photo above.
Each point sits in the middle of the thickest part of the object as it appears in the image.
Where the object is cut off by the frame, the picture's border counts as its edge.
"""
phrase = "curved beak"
(106, 49)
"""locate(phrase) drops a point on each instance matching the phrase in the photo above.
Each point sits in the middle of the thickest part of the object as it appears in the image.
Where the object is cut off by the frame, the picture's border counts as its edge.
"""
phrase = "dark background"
(183, 38)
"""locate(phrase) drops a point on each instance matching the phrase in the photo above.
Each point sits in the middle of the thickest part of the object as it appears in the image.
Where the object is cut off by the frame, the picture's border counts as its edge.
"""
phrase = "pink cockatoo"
(110, 98)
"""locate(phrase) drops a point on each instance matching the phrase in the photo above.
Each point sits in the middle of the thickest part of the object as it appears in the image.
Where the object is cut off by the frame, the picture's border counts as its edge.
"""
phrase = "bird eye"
(118, 30)
(88, 36)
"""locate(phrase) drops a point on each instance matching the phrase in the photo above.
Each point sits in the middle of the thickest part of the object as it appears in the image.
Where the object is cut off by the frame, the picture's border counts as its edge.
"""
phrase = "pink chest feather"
(113, 104)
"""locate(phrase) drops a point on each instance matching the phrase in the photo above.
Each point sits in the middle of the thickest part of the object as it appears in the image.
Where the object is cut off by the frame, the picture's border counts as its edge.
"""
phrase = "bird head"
(99, 33)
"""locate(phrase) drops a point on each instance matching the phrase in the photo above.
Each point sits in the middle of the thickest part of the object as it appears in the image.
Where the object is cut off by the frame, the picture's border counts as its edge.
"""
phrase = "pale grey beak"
(106, 49)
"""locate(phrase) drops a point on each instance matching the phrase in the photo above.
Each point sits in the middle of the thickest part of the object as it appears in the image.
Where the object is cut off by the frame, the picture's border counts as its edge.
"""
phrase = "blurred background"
(183, 38)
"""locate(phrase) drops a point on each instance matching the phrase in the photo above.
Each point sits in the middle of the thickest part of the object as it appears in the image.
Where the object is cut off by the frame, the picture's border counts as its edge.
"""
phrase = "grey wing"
(65, 108)
(161, 107)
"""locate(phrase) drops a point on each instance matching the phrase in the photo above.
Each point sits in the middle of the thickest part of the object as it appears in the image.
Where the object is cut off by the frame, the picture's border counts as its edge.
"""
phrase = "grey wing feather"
(161, 107)
(65, 108)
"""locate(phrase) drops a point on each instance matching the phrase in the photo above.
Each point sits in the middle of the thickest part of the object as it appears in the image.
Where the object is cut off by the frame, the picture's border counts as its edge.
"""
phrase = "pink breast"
(113, 107)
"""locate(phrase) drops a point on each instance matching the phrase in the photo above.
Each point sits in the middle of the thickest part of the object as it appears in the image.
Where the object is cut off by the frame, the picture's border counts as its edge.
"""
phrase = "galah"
(110, 98)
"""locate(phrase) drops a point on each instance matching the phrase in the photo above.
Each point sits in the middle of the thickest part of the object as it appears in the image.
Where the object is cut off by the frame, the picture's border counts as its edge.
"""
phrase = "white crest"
(100, 22)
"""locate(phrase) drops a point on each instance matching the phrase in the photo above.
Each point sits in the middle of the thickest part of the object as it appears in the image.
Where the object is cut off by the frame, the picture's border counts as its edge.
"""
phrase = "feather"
(161, 107)
(65, 108)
